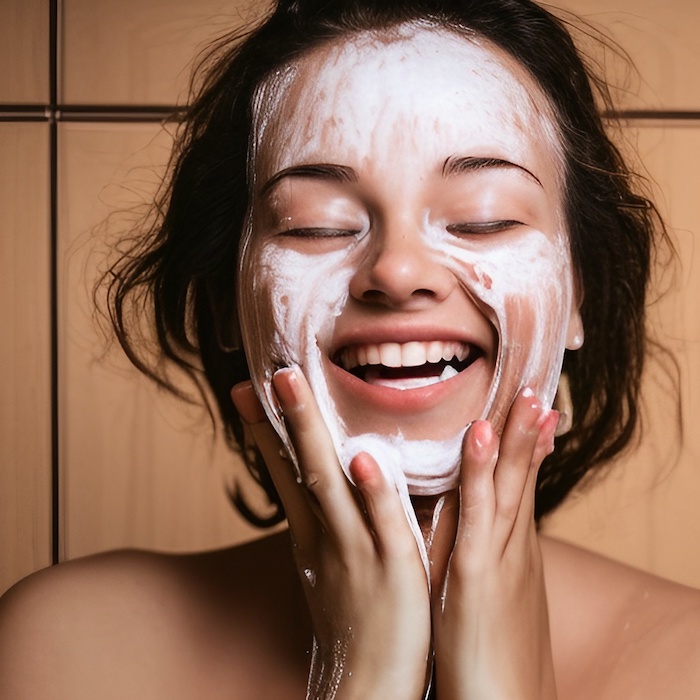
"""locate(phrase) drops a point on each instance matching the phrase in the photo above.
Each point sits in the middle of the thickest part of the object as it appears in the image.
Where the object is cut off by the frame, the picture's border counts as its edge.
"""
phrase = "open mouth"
(411, 365)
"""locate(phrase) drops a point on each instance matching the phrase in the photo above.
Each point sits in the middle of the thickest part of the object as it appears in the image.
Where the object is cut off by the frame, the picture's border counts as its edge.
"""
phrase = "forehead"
(419, 90)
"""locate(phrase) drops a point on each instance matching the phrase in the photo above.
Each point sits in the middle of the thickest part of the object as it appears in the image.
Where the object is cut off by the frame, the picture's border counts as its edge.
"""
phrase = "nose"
(400, 269)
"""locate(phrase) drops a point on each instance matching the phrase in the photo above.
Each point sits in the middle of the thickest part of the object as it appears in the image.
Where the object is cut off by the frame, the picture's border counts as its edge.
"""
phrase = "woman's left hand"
(490, 618)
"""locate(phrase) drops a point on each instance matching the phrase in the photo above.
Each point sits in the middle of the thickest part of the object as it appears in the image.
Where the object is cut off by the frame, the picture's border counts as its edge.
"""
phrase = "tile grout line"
(115, 113)
(53, 233)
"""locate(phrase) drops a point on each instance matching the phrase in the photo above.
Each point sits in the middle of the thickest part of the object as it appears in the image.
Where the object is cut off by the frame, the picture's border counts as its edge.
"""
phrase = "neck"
(437, 518)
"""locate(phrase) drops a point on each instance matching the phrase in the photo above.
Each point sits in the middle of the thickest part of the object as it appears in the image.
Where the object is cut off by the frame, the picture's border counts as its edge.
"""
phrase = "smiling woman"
(388, 228)
(463, 247)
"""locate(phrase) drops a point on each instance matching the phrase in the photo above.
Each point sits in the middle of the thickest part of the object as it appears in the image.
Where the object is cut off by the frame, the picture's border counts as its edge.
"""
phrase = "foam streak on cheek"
(304, 294)
(525, 286)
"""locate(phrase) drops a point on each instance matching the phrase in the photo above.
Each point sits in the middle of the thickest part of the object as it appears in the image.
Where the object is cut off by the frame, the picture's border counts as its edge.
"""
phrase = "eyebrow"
(321, 171)
(465, 164)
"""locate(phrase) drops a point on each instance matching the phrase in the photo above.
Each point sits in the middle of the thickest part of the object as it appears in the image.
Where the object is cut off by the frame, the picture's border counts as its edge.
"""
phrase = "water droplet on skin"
(310, 576)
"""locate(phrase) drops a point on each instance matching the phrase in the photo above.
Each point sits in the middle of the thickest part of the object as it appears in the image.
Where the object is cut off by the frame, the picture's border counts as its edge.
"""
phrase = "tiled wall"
(91, 456)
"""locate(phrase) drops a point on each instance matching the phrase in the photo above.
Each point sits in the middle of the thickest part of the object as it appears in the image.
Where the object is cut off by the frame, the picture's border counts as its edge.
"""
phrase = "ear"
(574, 332)
(565, 405)
(224, 314)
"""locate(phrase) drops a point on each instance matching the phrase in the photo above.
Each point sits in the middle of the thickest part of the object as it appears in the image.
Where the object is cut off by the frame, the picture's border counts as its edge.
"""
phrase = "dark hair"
(181, 272)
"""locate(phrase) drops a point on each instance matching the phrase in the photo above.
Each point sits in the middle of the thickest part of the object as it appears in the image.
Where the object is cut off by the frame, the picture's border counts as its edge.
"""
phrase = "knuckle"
(311, 481)
(508, 511)
(467, 568)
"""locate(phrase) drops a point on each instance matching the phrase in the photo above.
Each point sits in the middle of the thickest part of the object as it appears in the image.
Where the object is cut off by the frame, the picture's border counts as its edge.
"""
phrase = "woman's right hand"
(356, 555)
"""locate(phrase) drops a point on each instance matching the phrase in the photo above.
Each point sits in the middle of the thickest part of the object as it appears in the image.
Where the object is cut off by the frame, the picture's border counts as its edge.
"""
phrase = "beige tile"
(661, 40)
(24, 51)
(138, 469)
(646, 511)
(25, 352)
(136, 52)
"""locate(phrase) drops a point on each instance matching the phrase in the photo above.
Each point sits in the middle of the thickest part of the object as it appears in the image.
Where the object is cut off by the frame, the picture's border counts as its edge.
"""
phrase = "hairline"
(285, 74)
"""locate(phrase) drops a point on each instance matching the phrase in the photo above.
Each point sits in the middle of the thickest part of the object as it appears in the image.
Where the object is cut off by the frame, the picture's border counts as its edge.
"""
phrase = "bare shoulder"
(148, 625)
(618, 631)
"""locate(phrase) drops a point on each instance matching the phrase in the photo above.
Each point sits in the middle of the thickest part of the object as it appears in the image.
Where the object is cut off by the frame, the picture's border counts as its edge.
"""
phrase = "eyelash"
(466, 228)
(483, 227)
(319, 233)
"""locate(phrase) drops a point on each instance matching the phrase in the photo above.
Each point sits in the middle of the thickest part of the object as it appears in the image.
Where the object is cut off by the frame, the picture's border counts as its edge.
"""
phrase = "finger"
(477, 491)
(296, 505)
(385, 513)
(318, 462)
(516, 455)
(247, 403)
(543, 447)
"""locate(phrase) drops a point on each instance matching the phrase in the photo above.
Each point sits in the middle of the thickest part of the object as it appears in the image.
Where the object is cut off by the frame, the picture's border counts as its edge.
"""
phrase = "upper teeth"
(412, 354)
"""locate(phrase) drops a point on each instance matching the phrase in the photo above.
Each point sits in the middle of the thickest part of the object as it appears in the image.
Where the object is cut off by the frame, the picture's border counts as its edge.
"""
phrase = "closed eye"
(482, 227)
(313, 232)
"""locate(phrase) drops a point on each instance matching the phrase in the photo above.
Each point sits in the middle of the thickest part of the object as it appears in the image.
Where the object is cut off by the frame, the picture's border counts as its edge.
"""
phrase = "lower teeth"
(448, 373)
(374, 375)
(420, 382)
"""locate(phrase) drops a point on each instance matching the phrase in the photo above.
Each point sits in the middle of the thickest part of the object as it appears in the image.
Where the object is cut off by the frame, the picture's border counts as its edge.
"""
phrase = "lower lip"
(399, 401)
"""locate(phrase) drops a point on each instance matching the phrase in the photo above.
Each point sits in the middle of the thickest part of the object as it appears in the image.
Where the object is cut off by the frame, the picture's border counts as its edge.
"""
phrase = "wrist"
(339, 674)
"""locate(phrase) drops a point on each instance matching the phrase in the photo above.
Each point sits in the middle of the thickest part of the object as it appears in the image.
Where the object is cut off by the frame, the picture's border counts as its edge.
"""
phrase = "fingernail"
(247, 403)
(539, 413)
(286, 384)
(482, 434)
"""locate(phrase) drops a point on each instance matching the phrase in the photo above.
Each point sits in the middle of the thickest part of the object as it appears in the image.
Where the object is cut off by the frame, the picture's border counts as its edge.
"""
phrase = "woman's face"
(407, 246)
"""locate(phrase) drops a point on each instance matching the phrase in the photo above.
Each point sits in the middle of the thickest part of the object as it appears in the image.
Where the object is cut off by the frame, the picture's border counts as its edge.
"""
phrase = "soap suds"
(397, 108)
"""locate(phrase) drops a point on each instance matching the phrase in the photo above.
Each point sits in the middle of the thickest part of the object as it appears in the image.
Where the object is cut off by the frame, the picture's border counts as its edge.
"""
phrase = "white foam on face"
(394, 111)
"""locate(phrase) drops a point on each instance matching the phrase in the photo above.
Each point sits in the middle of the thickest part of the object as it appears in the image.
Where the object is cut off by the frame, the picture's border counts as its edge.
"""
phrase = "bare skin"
(236, 623)
(233, 624)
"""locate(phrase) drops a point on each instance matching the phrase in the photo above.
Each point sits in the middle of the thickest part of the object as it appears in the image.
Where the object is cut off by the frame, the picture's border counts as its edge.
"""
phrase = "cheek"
(535, 271)
(518, 281)
(525, 288)
(288, 303)
(294, 301)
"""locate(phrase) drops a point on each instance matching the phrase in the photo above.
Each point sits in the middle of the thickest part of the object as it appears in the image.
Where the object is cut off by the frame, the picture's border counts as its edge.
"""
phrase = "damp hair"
(178, 274)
